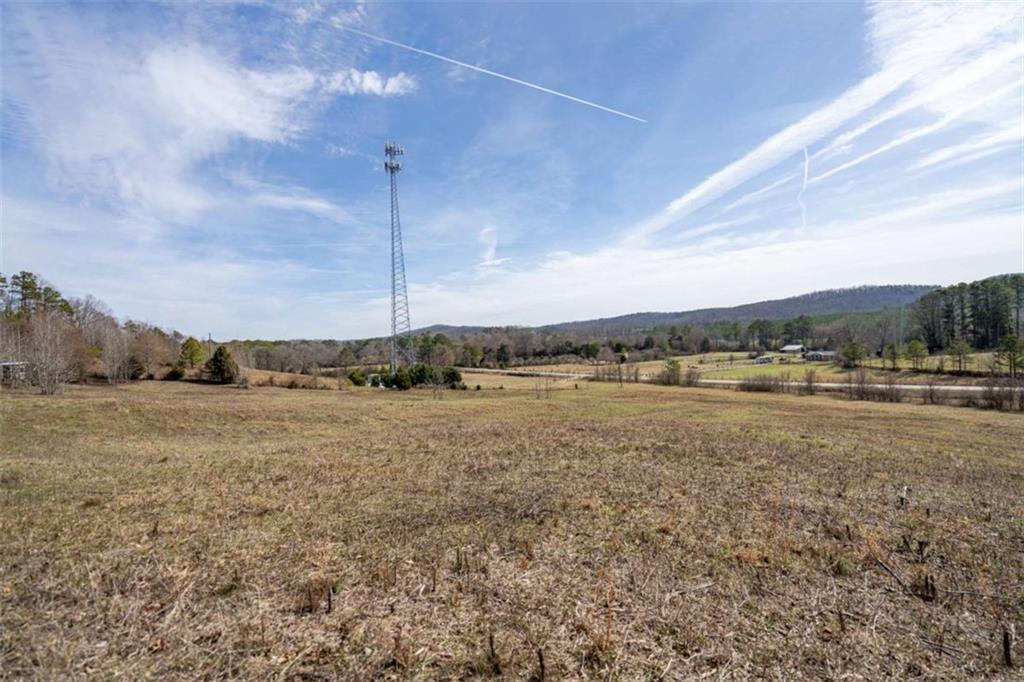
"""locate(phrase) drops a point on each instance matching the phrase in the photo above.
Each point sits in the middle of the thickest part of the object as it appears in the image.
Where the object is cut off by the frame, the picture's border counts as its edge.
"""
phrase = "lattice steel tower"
(400, 325)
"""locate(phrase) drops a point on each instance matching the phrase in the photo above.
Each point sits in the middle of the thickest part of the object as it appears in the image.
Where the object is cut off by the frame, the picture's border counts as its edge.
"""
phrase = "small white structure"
(794, 348)
(14, 373)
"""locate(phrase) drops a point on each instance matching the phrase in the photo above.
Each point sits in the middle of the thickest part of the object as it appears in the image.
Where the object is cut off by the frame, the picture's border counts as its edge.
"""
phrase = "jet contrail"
(492, 73)
(803, 188)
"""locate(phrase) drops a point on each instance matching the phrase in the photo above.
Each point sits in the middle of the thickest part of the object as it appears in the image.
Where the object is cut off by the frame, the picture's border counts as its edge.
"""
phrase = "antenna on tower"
(400, 325)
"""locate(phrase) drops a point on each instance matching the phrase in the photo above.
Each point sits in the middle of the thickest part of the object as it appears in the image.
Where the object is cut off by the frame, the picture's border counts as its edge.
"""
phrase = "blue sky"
(217, 168)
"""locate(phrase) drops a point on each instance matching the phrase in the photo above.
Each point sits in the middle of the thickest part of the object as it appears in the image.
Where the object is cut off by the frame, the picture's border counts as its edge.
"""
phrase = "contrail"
(803, 188)
(493, 73)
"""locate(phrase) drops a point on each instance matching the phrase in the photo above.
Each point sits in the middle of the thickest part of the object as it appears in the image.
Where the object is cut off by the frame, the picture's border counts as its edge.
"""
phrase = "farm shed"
(794, 348)
(821, 355)
(13, 373)
(763, 360)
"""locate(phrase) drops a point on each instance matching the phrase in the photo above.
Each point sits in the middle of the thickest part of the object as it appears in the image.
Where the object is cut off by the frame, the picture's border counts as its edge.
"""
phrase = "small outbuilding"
(794, 349)
(13, 373)
(821, 356)
(763, 360)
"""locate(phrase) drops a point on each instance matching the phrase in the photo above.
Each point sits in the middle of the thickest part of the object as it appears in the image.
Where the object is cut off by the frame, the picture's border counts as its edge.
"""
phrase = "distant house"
(763, 360)
(821, 356)
(794, 348)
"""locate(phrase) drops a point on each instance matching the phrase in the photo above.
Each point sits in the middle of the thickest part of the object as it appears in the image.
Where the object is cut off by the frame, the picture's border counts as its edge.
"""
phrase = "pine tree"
(961, 352)
(1011, 354)
(891, 354)
(853, 354)
(402, 381)
(221, 367)
(191, 352)
(916, 352)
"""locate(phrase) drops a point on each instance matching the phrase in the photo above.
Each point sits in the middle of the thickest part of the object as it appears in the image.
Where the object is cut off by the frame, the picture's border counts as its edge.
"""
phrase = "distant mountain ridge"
(850, 300)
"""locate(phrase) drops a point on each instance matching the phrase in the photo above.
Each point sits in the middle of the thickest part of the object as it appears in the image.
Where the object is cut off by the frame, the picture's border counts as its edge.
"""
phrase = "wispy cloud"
(132, 132)
(944, 90)
(803, 189)
(915, 45)
(974, 148)
(135, 146)
(917, 133)
(302, 201)
(489, 260)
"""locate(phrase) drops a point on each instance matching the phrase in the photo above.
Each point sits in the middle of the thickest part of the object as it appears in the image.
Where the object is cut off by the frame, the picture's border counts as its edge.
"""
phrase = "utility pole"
(400, 324)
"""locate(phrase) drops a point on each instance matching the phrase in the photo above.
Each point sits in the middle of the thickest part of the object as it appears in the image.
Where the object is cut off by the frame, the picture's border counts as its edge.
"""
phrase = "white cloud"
(356, 82)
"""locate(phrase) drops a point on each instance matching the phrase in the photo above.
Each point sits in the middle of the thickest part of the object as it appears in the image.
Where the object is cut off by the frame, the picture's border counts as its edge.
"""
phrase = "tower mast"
(400, 325)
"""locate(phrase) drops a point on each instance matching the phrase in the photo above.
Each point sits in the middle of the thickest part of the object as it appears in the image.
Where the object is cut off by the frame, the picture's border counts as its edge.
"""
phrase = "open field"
(648, 367)
(718, 366)
(177, 530)
(830, 372)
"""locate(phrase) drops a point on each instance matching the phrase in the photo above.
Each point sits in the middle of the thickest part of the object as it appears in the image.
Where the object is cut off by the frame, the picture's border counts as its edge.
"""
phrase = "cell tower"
(400, 325)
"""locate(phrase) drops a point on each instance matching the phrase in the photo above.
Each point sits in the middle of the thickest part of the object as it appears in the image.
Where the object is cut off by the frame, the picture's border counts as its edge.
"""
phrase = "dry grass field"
(183, 531)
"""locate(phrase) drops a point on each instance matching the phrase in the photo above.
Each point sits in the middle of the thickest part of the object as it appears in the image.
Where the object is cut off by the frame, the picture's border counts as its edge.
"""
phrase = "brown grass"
(191, 531)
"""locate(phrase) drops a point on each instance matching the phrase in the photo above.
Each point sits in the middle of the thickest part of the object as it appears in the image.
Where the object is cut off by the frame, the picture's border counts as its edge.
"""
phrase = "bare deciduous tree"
(115, 353)
(12, 339)
(152, 348)
(51, 350)
(91, 316)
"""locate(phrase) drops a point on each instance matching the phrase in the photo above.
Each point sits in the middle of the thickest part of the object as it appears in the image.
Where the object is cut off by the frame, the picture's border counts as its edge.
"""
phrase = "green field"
(719, 366)
(182, 531)
(831, 372)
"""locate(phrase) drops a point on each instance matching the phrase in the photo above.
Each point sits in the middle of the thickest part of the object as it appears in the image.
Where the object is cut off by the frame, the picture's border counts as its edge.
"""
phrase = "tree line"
(980, 314)
(49, 340)
(958, 320)
(68, 338)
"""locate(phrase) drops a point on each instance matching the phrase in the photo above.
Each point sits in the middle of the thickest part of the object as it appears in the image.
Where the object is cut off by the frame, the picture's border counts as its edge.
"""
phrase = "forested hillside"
(856, 299)
(830, 301)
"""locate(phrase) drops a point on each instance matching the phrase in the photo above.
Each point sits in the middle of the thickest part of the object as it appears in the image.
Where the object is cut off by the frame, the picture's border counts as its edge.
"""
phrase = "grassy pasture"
(718, 366)
(648, 366)
(831, 372)
(183, 531)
